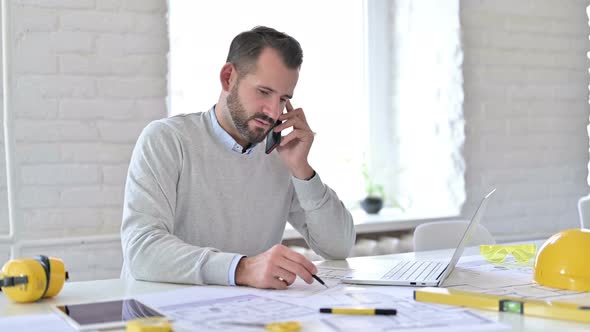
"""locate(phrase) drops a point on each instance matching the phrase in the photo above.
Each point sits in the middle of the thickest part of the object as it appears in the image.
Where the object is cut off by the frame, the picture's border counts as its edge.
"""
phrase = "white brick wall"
(526, 111)
(88, 76)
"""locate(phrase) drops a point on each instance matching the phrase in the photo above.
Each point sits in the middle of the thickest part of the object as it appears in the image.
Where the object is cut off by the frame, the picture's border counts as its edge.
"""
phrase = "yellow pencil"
(538, 308)
(358, 311)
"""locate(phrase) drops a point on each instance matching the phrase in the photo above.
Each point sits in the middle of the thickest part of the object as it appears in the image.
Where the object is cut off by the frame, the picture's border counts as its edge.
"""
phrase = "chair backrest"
(447, 234)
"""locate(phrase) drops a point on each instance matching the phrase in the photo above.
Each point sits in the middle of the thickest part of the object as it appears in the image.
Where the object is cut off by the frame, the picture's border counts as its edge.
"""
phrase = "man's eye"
(283, 101)
(264, 92)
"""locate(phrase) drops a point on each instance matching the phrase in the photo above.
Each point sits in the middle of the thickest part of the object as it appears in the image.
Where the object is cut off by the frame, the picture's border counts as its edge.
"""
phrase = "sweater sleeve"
(150, 249)
(319, 215)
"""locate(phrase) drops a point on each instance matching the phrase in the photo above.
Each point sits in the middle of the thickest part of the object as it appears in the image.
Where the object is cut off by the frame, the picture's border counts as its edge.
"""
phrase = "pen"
(358, 311)
(319, 280)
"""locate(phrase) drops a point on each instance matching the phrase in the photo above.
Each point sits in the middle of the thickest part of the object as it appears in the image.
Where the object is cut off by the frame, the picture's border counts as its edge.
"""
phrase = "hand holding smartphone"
(273, 139)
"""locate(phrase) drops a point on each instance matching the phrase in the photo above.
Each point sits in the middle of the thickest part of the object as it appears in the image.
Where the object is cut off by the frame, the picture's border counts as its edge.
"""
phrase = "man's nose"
(274, 109)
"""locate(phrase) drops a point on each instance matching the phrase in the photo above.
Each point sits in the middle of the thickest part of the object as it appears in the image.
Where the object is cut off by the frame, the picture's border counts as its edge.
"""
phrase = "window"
(427, 106)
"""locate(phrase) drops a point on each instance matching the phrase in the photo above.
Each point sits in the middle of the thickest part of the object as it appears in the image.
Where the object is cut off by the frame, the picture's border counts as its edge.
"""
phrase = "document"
(41, 323)
(332, 274)
(216, 308)
(475, 274)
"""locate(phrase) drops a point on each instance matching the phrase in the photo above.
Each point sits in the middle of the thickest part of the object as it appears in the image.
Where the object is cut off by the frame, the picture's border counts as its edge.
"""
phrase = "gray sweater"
(191, 205)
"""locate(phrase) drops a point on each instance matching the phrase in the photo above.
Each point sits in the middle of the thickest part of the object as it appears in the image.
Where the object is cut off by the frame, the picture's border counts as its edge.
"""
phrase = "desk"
(116, 288)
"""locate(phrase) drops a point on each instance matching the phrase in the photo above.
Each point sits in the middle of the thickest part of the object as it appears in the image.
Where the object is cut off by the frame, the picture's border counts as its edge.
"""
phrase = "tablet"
(104, 315)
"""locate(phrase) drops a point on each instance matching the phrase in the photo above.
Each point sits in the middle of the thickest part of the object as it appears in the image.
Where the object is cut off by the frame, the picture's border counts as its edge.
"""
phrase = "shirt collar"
(224, 137)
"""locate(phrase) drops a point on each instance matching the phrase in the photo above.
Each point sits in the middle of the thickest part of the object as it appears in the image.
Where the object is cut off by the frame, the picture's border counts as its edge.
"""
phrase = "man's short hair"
(247, 46)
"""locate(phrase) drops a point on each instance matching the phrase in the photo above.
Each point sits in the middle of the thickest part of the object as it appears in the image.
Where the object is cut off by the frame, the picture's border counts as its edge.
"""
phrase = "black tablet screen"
(106, 312)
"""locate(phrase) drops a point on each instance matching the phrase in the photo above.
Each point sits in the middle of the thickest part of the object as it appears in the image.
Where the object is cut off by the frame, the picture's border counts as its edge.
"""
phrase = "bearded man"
(204, 203)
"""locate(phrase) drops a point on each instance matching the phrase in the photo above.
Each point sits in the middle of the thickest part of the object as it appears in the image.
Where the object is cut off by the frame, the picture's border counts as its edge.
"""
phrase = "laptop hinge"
(441, 273)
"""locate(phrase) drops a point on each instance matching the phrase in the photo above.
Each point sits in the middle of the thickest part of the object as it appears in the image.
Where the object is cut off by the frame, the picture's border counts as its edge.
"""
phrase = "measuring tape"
(152, 324)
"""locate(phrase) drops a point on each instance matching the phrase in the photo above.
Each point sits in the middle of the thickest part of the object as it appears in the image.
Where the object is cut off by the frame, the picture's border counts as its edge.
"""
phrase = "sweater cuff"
(216, 269)
(309, 192)
(232, 269)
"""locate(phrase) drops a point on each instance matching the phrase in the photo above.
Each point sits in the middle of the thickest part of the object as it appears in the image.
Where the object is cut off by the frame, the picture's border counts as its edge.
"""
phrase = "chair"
(447, 234)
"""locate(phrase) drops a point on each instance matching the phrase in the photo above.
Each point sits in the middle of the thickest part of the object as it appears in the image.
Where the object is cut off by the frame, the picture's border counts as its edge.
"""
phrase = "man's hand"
(277, 268)
(294, 148)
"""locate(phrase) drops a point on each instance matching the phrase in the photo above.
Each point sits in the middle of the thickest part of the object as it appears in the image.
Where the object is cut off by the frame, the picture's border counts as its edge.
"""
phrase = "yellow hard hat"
(562, 261)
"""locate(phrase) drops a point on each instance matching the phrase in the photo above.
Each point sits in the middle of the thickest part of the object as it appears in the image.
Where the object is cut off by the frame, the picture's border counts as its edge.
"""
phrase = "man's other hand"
(275, 268)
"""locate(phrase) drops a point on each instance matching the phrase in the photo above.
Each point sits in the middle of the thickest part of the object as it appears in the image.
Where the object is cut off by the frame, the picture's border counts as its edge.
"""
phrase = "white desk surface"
(77, 292)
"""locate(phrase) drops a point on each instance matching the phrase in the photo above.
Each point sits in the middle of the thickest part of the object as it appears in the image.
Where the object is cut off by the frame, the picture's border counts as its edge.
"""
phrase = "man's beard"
(240, 118)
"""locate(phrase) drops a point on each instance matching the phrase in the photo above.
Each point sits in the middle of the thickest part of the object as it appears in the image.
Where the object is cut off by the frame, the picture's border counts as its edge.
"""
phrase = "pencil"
(319, 280)
(358, 311)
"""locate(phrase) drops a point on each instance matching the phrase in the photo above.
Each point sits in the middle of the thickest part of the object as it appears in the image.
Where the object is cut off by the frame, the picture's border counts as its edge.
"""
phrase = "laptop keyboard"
(412, 270)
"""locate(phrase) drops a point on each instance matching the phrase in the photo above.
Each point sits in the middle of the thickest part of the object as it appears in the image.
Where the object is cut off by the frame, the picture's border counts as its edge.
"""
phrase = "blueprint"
(509, 278)
(217, 308)
(218, 314)
(39, 322)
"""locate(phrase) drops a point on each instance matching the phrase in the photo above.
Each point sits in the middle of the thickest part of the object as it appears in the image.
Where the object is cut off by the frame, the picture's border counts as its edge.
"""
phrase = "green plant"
(373, 189)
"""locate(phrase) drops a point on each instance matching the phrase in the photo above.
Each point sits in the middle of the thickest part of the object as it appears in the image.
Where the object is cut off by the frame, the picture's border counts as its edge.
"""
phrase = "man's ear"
(227, 75)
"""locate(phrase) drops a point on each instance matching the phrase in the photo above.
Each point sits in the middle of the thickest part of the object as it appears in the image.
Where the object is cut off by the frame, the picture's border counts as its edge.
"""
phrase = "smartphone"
(273, 139)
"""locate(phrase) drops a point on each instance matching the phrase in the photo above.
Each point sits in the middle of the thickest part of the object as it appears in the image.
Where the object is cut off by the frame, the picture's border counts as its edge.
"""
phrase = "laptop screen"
(467, 235)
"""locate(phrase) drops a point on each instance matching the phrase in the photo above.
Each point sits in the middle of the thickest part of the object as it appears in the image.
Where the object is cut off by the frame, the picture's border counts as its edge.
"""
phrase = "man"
(204, 203)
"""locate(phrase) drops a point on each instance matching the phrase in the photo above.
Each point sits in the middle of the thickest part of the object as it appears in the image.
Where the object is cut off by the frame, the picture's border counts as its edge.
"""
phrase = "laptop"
(418, 273)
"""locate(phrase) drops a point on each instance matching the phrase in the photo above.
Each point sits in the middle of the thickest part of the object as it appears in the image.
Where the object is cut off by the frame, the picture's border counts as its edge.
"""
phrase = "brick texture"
(526, 111)
(88, 76)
